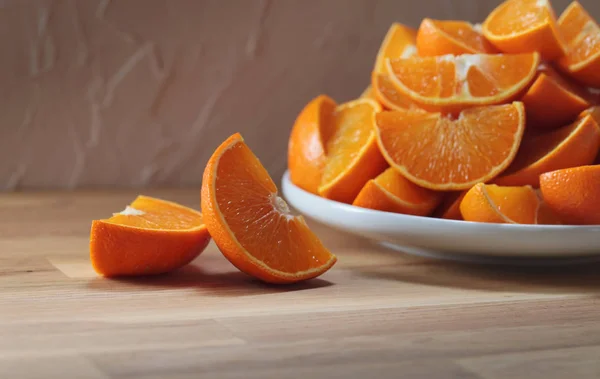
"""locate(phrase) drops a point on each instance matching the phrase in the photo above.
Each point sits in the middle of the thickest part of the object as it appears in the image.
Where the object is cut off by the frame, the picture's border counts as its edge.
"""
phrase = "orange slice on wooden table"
(510, 205)
(522, 26)
(553, 100)
(436, 37)
(451, 83)
(151, 236)
(570, 146)
(307, 143)
(353, 156)
(399, 42)
(582, 36)
(392, 192)
(573, 193)
(252, 225)
(440, 153)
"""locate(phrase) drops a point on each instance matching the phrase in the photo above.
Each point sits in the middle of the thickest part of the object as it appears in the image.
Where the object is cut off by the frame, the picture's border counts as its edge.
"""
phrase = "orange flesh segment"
(149, 213)
(399, 42)
(496, 204)
(581, 34)
(394, 183)
(440, 37)
(259, 219)
(388, 95)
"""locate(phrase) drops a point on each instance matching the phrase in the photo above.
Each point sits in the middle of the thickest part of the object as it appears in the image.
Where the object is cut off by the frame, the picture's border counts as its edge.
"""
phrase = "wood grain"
(377, 313)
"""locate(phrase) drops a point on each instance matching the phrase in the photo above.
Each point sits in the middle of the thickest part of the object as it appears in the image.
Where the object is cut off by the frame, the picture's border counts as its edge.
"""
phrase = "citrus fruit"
(151, 236)
(451, 83)
(441, 153)
(582, 36)
(306, 147)
(252, 225)
(353, 156)
(573, 193)
(553, 100)
(511, 205)
(392, 192)
(450, 206)
(436, 37)
(387, 94)
(521, 26)
(573, 145)
(368, 93)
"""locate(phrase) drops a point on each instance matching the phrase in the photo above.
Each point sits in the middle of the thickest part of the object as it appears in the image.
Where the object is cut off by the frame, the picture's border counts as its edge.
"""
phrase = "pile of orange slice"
(492, 122)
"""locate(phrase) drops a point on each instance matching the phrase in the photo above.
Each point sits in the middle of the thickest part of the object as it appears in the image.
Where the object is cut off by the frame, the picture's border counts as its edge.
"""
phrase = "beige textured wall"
(133, 93)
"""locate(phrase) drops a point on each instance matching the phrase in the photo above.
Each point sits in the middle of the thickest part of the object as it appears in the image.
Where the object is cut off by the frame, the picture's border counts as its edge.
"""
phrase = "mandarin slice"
(436, 37)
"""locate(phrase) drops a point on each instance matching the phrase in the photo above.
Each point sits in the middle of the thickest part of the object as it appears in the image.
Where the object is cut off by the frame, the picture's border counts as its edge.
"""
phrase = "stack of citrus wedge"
(467, 121)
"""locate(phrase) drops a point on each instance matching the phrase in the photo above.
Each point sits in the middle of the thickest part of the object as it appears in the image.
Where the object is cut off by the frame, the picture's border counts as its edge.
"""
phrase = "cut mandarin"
(392, 192)
(451, 83)
(252, 225)
(353, 156)
(368, 93)
(436, 37)
(307, 143)
(570, 146)
(523, 26)
(582, 36)
(511, 205)
(450, 207)
(573, 194)
(553, 100)
(151, 236)
(440, 153)
(399, 42)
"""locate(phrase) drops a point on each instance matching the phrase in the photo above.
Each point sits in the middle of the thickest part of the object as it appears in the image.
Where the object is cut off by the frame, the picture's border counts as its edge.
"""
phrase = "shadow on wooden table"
(231, 283)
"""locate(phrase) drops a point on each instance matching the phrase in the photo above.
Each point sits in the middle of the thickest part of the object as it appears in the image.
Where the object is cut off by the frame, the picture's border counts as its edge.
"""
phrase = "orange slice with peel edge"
(441, 37)
(151, 236)
(440, 153)
(252, 225)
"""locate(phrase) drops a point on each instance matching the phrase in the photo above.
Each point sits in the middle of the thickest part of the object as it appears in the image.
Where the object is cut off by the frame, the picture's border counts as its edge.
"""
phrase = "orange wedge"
(368, 93)
(353, 156)
(252, 225)
(387, 94)
(151, 236)
(437, 37)
(511, 205)
(573, 193)
(450, 207)
(523, 26)
(582, 36)
(392, 192)
(441, 153)
(451, 83)
(306, 146)
(570, 146)
(553, 100)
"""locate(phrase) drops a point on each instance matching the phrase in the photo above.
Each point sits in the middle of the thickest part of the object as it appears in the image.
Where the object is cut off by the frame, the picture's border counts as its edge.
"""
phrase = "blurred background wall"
(136, 93)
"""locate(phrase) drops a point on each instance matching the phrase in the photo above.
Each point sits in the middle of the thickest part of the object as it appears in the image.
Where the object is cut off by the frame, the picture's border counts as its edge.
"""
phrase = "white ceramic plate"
(448, 238)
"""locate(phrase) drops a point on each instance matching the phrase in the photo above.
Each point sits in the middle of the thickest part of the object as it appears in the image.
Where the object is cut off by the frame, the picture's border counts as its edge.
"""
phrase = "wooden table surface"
(377, 313)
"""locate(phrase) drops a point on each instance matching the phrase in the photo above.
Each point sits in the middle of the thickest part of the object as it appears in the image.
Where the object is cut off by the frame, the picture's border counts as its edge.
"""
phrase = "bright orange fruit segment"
(521, 26)
(573, 193)
(452, 83)
(392, 192)
(436, 37)
(450, 206)
(511, 205)
(582, 36)
(386, 93)
(151, 236)
(307, 143)
(353, 156)
(570, 146)
(441, 153)
(252, 225)
(553, 100)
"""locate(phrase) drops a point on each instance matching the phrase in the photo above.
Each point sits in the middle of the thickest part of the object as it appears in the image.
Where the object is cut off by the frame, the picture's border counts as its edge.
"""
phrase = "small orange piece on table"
(582, 36)
(353, 157)
(307, 144)
(452, 83)
(151, 236)
(553, 100)
(522, 26)
(440, 153)
(399, 42)
(570, 146)
(573, 193)
(437, 37)
(252, 225)
(510, 205)
(392, 192)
